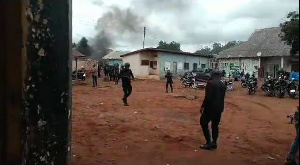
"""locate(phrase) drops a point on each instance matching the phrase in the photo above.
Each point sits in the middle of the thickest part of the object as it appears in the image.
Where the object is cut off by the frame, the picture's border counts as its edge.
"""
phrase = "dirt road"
(160, 129)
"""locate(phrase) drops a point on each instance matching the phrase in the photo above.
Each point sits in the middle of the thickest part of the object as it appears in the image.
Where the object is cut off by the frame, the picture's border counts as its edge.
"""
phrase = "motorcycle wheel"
(243, 85)
(251, 92)
(279, 93)
(230, 88)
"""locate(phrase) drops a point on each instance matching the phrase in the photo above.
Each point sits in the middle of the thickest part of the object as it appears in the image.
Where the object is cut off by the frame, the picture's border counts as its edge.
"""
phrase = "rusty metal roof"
(77, 54)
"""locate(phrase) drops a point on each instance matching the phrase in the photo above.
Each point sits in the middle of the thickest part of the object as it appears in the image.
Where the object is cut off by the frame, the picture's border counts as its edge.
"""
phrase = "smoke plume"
(116, 27)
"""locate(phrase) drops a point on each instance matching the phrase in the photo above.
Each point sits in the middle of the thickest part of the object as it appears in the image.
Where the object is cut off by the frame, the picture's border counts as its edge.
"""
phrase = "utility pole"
(144, 37)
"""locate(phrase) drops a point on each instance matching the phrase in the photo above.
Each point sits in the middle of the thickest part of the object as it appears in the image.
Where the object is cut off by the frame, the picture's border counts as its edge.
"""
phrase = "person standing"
(290, 160)
(211, 110)
(126, 76)
(169, 81)
(94, 75)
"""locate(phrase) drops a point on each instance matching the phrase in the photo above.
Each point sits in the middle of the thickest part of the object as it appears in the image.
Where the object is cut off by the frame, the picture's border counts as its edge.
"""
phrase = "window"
(186, 66)
(203, 65)
(145, 62)
(153, 64)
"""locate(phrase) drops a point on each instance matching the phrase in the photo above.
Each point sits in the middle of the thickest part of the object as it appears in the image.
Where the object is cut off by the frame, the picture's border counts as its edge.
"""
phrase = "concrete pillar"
(35, 107)
(281, 62)
(258, 62)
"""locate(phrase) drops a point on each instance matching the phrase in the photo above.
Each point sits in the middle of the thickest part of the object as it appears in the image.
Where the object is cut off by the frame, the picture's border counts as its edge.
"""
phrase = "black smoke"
(114, 28)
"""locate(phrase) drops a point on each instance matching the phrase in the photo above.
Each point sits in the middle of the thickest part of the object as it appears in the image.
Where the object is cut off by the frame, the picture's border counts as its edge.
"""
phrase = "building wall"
(150, 57)
(139, 71)
(87, 64)
(113, 62)
(249, 65)
(272, 64)
(171, 58)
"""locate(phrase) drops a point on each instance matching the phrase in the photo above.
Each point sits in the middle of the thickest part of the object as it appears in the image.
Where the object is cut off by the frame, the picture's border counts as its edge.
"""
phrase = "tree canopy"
(290, 31)
(175, 46)
(217, 48)
(83, 47)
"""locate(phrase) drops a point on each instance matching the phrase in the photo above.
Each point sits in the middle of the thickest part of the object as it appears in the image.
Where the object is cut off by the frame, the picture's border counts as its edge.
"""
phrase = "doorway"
(174, 68)
(276, 69)
(195, 66)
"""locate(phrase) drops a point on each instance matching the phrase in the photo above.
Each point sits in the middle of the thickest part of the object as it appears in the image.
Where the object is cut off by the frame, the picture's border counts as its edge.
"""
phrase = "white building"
(153, 63)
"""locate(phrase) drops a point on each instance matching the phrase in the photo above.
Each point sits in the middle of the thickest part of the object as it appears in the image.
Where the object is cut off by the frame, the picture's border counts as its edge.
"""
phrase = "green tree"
(83, 47)
(175, 46)
(216, 48)
(290, 31)
(231, 44)
(204, 51)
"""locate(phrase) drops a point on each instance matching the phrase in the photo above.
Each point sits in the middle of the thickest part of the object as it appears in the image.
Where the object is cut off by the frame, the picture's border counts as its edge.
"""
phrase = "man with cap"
(126, 75)
(211, 109)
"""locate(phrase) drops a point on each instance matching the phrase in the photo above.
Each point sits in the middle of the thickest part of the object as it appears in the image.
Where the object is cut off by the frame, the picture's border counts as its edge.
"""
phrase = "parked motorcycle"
(252, 85)
(80, 75)
(292, 89)
(229, 84)
(244, 82)
(280, 87)
(268, 86)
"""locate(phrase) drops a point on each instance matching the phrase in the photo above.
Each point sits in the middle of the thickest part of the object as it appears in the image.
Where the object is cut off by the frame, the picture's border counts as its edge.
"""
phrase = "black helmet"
(126, 65)
(215, 73)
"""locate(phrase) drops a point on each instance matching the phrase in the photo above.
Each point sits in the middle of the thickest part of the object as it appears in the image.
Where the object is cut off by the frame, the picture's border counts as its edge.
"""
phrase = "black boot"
(207, 146)
(125, 101)
(214, 145)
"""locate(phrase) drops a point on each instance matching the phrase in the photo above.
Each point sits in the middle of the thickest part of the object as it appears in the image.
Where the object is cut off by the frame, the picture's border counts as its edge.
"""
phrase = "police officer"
(291, 160)
(211, 109)
(169, 81)
(126, 75)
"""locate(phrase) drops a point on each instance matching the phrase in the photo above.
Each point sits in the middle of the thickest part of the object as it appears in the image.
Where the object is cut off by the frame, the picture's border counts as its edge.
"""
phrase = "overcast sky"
(192, 23)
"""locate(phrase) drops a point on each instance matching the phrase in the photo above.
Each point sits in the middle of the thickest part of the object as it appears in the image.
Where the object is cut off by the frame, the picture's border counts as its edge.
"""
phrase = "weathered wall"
(249, 65)
(135, 65)
(151, 56)
(87, 64)
(270, 63)
(169, 57)
(47, 86)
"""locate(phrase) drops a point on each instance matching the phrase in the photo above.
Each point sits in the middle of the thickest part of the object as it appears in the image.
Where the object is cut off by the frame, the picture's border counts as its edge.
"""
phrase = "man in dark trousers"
(94, 75)
(211, 109)
(291, 159)
(169, 81)
(126, 75)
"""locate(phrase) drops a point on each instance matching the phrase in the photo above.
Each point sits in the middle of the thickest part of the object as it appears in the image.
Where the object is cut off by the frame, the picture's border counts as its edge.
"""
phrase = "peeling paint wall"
(47, 90)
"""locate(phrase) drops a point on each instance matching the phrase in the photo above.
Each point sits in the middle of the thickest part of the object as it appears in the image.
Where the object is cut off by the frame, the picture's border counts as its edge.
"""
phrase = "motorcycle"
(268, 86)
(229, 85)
(292, 89)
(280, 87)
(252, 85)
(244, 82)
(80, 75)
(187, 82)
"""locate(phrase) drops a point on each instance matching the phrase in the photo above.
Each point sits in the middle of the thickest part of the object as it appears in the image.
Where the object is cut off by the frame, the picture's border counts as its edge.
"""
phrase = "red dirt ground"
(160, 129)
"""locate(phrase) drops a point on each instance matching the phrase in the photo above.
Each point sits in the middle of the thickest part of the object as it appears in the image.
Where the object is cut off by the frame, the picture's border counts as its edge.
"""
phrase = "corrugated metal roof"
(266, 41)
(166, 51)
(77, 54)
(115, 55)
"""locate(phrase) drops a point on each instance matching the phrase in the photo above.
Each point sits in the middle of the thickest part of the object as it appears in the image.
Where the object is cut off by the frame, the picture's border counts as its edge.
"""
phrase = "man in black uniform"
(211, 109)
(169, 81)
(126, 75)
